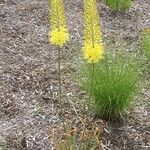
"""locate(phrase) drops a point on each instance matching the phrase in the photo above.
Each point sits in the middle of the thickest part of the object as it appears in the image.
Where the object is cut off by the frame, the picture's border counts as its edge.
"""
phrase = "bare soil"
(29, 79)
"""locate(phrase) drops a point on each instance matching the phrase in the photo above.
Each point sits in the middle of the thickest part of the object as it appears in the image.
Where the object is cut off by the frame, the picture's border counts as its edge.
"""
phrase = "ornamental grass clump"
(58, 35)
(114, 85)
(119, 5)
(93, 49)
(146, 42)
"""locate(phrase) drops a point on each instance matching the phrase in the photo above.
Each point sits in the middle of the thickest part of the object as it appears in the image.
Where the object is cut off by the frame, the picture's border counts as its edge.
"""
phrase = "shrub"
(146, 42)
(114, 84)
(119, 5)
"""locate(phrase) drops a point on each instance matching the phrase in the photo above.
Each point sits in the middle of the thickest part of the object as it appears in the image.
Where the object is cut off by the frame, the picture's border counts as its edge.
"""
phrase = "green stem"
(59, 74)
(60, 87)
(92, 81)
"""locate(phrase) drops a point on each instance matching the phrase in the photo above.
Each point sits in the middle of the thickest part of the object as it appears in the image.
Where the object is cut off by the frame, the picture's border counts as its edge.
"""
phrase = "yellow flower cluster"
(93, 48)
(59, 34)
(59, 37)
(93, 54)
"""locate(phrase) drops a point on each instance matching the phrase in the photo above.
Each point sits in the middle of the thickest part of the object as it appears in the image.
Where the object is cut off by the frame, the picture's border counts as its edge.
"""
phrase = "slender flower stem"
(59, 76)
(60, 88)
(92, 80)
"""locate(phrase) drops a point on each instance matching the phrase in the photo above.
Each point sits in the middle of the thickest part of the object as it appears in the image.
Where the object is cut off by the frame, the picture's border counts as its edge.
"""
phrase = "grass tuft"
(119, 5)
(114, 86)
(146, 43)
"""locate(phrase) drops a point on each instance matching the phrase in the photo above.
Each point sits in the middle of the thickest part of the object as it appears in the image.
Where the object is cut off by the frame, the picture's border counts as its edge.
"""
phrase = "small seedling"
(38, 111)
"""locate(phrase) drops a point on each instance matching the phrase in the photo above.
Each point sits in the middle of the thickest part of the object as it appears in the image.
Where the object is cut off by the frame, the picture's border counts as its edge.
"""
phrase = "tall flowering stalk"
(59, 34)
(92, 46)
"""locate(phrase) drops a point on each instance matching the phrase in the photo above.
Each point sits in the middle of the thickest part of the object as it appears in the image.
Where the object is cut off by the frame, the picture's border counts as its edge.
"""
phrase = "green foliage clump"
(119, 5)
(114, 85)
(146, 43)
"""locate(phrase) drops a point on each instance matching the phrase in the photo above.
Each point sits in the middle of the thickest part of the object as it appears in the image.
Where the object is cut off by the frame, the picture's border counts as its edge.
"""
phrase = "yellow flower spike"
(93, 47)
(59, 34)
(59, 37)
(93, 54)
(91, 22)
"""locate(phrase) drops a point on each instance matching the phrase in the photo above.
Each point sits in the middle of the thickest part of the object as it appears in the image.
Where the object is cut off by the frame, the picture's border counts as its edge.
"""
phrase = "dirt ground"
(28, 74)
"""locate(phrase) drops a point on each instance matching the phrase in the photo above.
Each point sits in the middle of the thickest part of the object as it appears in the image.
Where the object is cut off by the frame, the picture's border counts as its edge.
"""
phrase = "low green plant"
(38, 111)
(115, 83)
(119, 5)
(146, 42)
(145, 59)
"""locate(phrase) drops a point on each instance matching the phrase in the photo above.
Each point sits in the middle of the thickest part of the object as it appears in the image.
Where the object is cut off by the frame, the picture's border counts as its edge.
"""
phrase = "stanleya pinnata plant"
(58, 35)
(93, 48)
